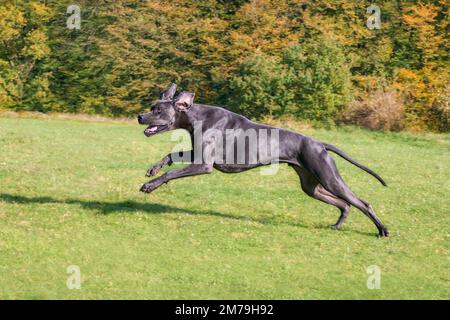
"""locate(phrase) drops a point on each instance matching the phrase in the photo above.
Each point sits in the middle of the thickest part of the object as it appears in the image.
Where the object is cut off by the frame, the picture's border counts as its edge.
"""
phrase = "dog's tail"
(341, 153)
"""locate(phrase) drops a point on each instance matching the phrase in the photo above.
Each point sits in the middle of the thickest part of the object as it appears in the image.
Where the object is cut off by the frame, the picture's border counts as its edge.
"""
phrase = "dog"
(319, 177)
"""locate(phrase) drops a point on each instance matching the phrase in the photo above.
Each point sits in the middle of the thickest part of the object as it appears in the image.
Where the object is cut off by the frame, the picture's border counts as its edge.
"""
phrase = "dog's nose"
(140, 118)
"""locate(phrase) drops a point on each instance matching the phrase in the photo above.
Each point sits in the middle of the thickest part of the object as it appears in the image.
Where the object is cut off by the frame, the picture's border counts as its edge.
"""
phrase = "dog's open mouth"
(154, 129)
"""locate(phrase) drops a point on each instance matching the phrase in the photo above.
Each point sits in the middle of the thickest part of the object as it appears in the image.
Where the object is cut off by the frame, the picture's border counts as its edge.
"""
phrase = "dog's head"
(165, 113)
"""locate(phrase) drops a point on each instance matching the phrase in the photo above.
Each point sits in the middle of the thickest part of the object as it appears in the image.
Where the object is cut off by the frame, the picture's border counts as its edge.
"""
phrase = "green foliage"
(320, 79)
(272, 52)
(310, 81)
(260, 87)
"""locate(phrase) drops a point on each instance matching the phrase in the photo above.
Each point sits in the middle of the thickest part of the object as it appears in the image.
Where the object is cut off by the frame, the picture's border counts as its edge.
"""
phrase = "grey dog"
(319, 177)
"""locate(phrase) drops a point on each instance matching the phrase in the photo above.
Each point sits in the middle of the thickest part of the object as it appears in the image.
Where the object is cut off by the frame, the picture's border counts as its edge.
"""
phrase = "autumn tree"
(24, 80)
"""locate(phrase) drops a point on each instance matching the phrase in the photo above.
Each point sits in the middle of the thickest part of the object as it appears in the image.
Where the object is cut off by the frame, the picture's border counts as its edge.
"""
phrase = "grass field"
(69, 196)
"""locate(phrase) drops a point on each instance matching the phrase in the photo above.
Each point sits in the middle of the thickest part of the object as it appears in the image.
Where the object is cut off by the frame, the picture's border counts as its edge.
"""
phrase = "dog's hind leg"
(311, 186)
(323, 167)
(366, 208)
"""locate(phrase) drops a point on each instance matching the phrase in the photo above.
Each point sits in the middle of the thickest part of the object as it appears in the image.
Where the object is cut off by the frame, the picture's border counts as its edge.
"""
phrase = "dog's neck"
(185, 120)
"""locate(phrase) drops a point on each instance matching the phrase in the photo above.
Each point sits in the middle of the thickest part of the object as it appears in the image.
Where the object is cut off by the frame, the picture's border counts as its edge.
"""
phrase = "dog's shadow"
(104, 207)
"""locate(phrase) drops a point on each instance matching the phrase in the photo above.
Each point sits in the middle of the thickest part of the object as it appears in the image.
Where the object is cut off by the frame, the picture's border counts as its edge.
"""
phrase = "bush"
(259, 88)
(439, 113)
(320, 80)
(381, 110)
(310, 82)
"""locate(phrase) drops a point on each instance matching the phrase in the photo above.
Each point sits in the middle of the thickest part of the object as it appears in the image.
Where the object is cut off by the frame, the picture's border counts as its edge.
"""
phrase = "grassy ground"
(69, 196)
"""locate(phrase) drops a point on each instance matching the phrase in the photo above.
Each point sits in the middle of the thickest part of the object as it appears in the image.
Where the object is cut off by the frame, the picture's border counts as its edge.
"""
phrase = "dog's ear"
(184, 101)
(169, 92)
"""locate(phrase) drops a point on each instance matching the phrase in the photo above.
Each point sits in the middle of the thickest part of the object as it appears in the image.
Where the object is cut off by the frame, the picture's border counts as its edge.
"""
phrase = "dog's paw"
(335, 226)
(148, 187)
(383, 233)
(153, 171)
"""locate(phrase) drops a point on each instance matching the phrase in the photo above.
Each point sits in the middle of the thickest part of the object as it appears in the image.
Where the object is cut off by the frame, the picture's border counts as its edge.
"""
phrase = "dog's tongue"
(151, 129)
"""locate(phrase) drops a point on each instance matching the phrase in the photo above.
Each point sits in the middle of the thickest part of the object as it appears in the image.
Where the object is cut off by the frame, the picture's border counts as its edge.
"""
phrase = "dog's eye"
(156, 110)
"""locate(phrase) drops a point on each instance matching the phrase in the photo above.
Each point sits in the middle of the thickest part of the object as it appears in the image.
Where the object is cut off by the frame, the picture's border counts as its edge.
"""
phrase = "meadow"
(69, 195)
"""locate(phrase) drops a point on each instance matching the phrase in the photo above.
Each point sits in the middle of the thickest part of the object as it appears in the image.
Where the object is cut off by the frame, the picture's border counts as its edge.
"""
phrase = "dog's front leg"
(191, 170)
(168, 160)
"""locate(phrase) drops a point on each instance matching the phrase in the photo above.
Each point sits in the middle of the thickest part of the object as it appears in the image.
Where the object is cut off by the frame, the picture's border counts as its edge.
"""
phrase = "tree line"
(319, 60)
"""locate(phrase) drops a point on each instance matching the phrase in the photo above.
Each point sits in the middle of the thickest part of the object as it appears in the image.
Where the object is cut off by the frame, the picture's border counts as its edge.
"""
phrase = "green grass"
(69, 196)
